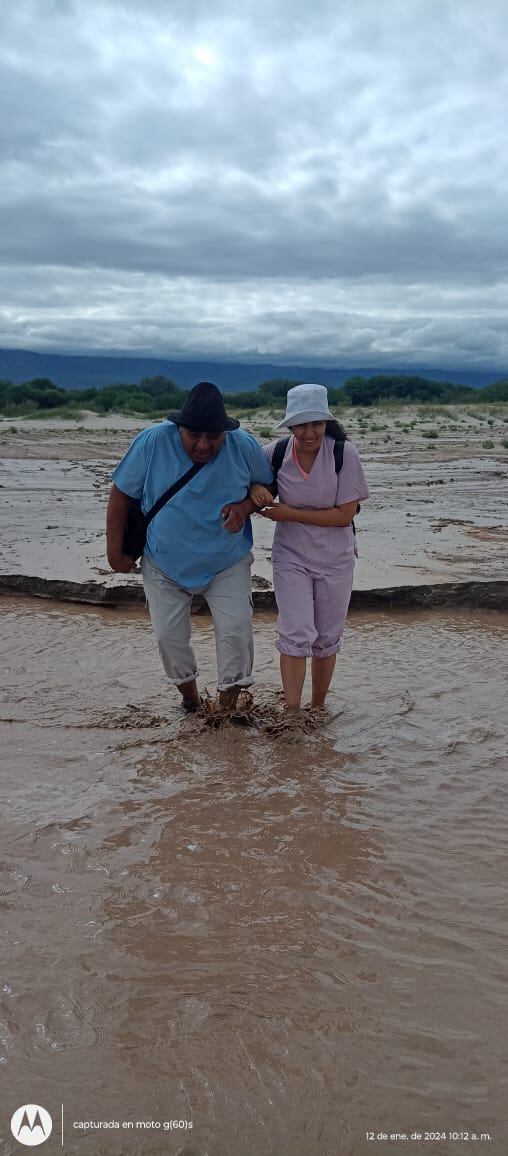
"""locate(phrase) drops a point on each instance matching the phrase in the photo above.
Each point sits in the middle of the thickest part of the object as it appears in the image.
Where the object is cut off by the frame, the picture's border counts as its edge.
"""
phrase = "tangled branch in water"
(271, 718)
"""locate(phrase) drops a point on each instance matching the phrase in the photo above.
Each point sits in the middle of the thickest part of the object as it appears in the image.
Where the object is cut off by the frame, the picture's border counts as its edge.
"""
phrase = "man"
(200, 540)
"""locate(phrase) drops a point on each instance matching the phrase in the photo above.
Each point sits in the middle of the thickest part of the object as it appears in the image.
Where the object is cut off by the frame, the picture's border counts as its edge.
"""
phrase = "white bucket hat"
(306, 403)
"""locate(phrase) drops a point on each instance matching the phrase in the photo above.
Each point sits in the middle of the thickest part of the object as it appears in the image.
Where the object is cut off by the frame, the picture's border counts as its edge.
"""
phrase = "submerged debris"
(264, 715)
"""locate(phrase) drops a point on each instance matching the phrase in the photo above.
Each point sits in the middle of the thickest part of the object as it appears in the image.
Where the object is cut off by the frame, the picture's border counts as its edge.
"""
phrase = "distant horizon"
(90, 370)
(200, 358)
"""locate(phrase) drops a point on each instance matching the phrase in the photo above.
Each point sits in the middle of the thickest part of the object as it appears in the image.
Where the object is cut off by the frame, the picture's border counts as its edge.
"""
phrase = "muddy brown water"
(288, 943)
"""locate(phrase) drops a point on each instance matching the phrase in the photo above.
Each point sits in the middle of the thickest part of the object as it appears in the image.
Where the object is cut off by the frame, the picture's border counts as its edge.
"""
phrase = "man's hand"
(234, 515)
(122, 564)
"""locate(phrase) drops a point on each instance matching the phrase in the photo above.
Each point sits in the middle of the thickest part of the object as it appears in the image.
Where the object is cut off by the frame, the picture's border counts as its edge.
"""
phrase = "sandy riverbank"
(437, 513)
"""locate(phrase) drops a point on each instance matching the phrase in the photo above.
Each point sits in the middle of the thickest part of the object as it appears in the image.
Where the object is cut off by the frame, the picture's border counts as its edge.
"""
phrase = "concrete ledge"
(473, 595)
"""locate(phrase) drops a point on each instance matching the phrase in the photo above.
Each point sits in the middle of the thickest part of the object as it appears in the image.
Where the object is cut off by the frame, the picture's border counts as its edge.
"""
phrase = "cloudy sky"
(303, 179)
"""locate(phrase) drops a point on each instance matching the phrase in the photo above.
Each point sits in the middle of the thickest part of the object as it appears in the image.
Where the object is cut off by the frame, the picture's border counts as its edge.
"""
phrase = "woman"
(314, 544)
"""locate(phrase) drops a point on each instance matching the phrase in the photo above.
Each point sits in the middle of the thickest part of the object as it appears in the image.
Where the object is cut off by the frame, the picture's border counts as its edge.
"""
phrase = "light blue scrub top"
(186, 539)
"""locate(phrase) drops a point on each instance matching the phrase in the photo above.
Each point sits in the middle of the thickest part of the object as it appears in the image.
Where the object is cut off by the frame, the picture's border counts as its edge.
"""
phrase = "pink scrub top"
(316, 547)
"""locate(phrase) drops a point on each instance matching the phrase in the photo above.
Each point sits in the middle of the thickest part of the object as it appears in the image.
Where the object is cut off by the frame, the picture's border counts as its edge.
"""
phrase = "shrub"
(430, 433)
(64, 412)
(429, 411)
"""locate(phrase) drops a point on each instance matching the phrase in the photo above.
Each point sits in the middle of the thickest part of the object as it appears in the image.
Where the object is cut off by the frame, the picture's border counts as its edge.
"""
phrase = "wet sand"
(437, 512)
(287, 943)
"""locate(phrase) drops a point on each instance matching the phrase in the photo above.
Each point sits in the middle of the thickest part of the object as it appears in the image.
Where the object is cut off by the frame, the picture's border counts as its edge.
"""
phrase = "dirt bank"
(490, 595)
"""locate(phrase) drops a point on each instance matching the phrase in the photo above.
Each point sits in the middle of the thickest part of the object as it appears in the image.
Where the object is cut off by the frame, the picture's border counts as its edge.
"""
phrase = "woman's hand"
(279, 513)
(260, 495)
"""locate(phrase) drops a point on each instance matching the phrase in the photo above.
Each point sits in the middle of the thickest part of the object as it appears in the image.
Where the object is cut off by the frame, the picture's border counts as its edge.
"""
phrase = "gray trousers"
(230, 601)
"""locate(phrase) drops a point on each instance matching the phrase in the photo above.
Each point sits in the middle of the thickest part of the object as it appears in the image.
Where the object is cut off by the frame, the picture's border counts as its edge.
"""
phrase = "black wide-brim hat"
(203, 411)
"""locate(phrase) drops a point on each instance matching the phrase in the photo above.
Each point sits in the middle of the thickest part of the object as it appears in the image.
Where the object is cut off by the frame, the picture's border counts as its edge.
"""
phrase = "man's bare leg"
(228, 697)
(190, 695)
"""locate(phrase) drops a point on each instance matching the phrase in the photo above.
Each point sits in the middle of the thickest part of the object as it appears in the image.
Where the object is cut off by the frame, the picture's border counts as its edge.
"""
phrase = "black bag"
(134, 536)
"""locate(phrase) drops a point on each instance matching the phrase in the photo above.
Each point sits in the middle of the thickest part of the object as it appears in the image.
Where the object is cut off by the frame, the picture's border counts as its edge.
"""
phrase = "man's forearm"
(116, 517)
(248, 506)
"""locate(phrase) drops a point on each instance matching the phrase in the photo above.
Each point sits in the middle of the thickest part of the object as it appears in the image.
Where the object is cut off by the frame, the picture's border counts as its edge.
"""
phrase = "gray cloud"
(303, 180)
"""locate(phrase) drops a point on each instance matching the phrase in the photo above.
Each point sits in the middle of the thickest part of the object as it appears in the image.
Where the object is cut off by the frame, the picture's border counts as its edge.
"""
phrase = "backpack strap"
(338, 453)
(278, 456)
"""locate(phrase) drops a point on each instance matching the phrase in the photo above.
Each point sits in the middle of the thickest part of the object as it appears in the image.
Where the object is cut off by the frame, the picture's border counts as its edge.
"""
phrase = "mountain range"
(82, 371)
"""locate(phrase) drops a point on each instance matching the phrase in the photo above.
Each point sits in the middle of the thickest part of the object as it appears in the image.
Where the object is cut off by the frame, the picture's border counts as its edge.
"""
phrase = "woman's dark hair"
(335, 430)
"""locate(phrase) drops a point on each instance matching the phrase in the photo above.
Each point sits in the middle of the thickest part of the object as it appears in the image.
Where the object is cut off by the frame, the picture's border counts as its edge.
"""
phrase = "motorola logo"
(31, 1125)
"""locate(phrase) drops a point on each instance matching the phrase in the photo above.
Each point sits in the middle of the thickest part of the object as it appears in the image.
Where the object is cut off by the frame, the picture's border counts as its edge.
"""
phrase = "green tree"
(496, 392)
(159, 386)
(276, 387)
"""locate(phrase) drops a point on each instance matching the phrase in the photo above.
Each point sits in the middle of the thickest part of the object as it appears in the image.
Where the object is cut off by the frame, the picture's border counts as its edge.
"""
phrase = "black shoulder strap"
(338, 453)
(178, 485)
(278, 456)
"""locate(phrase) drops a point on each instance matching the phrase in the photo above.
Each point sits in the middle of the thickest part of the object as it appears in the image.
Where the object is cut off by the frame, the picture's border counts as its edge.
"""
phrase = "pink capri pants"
(312, 609)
